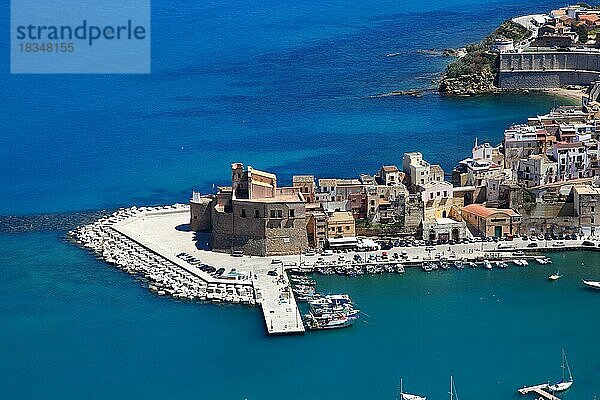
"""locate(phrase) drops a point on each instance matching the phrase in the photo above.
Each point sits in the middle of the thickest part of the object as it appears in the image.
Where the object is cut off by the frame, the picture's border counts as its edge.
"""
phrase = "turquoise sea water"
(283, 86)
(75, 328)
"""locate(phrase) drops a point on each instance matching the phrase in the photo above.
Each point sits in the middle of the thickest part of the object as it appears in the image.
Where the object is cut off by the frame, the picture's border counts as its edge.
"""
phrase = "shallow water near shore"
(79, 328)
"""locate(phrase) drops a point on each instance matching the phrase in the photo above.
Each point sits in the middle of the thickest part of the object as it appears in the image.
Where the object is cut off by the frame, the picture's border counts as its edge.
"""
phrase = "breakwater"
(164, 276)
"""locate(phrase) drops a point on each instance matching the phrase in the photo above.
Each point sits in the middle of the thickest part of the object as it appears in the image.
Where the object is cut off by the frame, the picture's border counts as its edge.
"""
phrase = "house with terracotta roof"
(489, 222)
(591, 20)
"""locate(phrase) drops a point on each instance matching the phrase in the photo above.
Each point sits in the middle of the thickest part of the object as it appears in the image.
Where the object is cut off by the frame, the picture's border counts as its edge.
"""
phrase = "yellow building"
(340, 224)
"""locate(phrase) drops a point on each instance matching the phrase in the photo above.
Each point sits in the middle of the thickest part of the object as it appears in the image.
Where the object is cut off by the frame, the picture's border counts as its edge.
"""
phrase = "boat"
(563, 385)
(501, 264)
(472, 264)
(427, 267)
(592, 284)
(330, 322)
(408, 396)
(555, 276)
(487, 264)
(453, 394)
(458, 265)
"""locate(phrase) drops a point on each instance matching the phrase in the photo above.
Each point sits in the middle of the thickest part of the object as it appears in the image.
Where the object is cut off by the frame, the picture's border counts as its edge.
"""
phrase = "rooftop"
(483, 211)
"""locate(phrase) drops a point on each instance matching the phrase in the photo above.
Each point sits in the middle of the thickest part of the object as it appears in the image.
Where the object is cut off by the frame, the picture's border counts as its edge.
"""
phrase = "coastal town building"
(253, 215)
(306, 184)
(537, 170)
(489, 222)
(586, 201)
(420, 171)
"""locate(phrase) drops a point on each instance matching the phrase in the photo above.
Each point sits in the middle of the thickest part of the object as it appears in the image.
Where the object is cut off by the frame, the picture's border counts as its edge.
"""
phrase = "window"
(256, 213)
(279, 213)
(292, 213)
(243, 213)
(339, 229)
(272, 214)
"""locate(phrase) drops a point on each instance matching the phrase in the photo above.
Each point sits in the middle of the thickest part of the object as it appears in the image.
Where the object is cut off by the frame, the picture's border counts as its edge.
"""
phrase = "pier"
(539, 390)
(278, 304)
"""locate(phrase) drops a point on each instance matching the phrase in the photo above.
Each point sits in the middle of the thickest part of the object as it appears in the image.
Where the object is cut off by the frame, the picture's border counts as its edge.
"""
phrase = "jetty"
(278, 304)
(540, 390)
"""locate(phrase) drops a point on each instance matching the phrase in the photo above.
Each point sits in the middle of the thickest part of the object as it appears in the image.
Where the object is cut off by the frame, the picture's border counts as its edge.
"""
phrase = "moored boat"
(563, 384)
(408, 396)
(592, 284)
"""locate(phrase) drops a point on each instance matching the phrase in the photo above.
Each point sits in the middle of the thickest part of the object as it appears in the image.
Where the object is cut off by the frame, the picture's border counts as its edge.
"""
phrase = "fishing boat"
(408, 396)
(453, 394)
(487, 264)
(555, 276)
(332, 321)
(563, 385)
(592, 284)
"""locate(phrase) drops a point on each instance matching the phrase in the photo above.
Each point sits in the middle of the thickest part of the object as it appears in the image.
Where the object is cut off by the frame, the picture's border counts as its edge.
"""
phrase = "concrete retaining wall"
(548, 69)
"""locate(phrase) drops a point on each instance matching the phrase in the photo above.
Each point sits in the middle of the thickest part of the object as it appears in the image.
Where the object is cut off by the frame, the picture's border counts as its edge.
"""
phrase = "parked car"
(532, 244)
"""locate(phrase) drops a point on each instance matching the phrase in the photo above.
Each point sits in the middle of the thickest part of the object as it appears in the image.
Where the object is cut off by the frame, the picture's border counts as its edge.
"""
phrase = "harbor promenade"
(156, 243)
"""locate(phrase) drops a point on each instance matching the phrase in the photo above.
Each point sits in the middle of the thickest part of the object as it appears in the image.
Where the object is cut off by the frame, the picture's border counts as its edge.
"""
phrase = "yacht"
(563, 384)
(408, 396)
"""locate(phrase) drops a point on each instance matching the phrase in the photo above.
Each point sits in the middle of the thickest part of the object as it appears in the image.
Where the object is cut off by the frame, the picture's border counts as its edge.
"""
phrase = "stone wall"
(200, 218)
(548, 69)
(250, 228)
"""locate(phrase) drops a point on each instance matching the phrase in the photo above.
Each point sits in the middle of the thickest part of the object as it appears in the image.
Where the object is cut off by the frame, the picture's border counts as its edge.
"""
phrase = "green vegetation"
(479, 57)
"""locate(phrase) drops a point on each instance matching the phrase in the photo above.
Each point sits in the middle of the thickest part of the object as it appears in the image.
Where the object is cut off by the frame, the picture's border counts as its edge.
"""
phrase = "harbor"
(154, 244)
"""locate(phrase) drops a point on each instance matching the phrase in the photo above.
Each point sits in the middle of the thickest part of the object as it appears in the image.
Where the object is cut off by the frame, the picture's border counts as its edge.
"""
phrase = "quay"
(540, 390)
(156, 245)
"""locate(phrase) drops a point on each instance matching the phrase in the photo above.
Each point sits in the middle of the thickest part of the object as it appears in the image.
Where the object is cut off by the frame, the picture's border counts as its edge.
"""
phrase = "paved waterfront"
(158, 243)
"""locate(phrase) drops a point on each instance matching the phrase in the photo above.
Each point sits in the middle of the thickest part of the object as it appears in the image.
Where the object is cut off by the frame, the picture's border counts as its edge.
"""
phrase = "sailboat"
(562, 384)
(555, 276)
(453, 394)
(408, 396)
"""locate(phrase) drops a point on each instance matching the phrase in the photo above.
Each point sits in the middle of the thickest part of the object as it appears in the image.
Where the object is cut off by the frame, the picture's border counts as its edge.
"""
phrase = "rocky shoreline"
(475, 72)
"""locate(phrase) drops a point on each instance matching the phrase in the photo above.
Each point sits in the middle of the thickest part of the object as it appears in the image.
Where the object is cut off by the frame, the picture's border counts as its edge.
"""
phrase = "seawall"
(533, 70)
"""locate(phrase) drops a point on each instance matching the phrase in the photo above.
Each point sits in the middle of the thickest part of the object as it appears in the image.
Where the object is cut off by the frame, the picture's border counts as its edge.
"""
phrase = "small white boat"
(592, 284)
(408, 396)
(555, 276)
(563, 385)
(487, 264)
